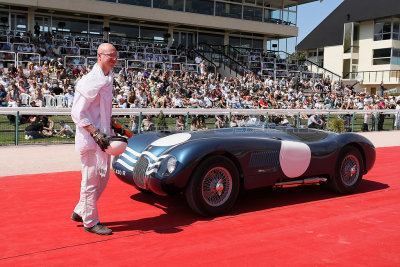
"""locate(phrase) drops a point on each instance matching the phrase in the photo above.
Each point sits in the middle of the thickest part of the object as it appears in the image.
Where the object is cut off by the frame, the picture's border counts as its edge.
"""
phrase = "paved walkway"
(32, 159)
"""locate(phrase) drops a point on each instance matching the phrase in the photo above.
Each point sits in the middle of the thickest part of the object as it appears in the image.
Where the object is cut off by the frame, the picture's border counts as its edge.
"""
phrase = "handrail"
(194, 111)
(313, 63)
(375, 77)
(204, 58)
(288, 56)
(232, 63)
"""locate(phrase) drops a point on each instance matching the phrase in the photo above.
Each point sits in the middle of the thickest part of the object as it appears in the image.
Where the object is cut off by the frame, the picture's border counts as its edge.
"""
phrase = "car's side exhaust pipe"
(296, 183)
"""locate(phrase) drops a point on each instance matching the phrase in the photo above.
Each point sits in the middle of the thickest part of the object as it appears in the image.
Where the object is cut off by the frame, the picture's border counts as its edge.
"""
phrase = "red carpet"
(291, 227)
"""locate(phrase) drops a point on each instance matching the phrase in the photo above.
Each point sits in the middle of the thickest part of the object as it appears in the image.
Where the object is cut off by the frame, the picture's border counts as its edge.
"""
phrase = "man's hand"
(100, 139)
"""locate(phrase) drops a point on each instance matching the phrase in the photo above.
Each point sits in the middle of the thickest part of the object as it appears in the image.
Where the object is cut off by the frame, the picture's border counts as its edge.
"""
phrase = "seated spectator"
(69, 98)
(13, 97)
(121, 100)
(315, 121)
(34, 130)
(3, 96)
(48, 125)
(65, 130)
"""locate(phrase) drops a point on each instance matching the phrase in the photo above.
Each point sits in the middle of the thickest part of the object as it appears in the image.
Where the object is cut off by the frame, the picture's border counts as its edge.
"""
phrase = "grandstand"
(153, 31)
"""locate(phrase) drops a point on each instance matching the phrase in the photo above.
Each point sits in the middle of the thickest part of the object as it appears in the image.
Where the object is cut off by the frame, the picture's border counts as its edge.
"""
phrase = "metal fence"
(13, 121)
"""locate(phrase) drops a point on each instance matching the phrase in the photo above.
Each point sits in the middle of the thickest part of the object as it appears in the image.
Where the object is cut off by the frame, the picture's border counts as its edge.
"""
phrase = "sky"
(311, 14)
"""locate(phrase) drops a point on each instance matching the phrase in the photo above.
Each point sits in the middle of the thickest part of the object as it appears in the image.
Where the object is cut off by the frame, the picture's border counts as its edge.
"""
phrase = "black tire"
(348, 172)
(213, 187)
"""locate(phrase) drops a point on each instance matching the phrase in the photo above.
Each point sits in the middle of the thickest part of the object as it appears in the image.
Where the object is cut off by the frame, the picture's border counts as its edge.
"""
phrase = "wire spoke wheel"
(216, 186)
(213, 187)
(350, 170)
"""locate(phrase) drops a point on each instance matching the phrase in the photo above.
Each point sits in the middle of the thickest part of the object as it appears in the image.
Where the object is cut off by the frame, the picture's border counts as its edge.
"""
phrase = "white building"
(359, 40)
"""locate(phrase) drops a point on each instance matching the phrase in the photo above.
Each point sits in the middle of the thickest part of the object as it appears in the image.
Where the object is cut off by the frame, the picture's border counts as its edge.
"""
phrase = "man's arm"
(99, 137)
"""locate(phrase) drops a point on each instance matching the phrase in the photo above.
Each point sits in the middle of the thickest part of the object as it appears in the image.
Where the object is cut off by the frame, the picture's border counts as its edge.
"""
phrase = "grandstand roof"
(330, 31)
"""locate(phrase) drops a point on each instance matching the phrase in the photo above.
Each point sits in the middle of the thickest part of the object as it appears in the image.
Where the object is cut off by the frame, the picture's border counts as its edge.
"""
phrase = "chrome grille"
(139, 172)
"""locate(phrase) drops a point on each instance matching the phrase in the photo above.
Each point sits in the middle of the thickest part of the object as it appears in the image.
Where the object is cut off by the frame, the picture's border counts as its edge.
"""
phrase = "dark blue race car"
(212, 166)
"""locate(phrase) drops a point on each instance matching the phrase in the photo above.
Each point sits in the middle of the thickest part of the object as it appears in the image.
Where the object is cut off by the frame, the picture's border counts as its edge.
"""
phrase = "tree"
(161, 124)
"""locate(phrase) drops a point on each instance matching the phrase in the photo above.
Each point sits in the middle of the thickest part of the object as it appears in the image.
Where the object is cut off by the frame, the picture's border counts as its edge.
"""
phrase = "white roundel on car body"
(294, 158)
(172, 139)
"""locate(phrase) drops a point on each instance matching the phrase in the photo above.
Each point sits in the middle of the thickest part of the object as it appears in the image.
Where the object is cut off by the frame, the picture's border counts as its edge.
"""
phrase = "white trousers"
(92, 186)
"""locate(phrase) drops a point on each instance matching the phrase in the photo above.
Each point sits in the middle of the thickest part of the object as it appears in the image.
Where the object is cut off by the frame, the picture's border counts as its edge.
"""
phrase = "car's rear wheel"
(348, 172)
(213, 187)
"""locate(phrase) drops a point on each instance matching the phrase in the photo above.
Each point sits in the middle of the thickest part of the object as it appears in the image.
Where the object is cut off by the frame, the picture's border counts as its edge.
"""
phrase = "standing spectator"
(148, 124)
(198, 59)
(219, 121)
(91, 113)
(180, 123)
(381, 116)
(193, 125)
(203, 67)
(382, 87)
(397, 117)
(367, 117)
(133, 124)
(36, 29)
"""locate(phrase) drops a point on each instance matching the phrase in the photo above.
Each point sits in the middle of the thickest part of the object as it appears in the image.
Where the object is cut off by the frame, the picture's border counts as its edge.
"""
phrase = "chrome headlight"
(168, 166)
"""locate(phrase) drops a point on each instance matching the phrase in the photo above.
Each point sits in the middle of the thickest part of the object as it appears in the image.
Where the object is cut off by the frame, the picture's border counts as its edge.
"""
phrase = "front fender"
(191, 153)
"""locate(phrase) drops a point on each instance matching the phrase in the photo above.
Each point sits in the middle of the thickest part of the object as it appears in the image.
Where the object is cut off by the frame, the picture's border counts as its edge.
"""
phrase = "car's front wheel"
(213, 187)
(349, 171)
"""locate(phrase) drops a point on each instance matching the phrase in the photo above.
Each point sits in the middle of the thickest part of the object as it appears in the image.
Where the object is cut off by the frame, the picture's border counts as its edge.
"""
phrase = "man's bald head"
(106, 57)
(106, 48)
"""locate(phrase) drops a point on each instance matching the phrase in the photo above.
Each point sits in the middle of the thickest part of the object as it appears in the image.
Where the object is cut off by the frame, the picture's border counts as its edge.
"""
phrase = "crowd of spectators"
(150, 88)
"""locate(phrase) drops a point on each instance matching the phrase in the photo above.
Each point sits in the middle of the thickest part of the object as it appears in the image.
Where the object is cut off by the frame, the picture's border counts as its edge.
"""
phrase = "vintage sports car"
(211, 166)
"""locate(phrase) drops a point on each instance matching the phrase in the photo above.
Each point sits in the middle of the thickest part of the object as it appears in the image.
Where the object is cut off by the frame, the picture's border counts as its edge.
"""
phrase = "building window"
(96, 27)
(205, 7)
(228, 10)
(212, 39)
(124, 31)
(381, 56)
(70, 25)
(396, 29)
(396, 56)
(273, 16)
(387, 29)
(168, 4)
(252, 13)
(146, 3)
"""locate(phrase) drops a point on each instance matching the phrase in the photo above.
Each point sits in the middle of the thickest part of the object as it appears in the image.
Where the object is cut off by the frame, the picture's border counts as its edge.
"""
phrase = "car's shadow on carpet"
(178, 215)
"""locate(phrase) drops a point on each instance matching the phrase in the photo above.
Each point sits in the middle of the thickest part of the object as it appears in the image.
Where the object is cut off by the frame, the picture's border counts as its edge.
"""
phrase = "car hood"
(156, 143)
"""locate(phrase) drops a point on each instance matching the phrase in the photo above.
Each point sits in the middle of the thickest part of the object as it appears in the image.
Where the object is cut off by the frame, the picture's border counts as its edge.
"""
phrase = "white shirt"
(67, 127)
(92, 105)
